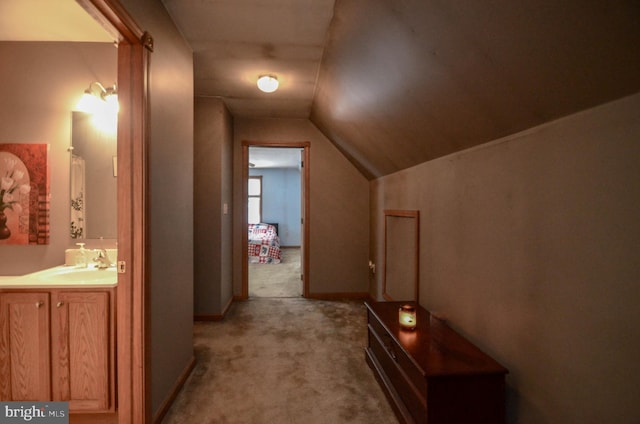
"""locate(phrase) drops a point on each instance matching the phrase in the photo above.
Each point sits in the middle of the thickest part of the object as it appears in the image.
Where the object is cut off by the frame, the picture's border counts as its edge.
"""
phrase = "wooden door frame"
(132, 307)
(306, 170)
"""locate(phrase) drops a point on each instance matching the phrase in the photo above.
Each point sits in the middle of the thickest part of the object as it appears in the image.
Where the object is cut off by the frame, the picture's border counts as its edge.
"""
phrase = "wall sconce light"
(97, 99)
(407, 317)
(268, 83)
(102, 103)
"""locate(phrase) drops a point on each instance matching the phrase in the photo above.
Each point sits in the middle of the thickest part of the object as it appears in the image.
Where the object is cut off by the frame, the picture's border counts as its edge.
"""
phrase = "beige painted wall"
(171, 198)
(339, 204)
(213, 147)
(529, 245)
(42, 83)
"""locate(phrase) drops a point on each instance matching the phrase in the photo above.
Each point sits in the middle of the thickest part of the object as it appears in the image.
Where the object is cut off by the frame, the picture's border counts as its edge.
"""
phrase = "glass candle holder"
(407, 317)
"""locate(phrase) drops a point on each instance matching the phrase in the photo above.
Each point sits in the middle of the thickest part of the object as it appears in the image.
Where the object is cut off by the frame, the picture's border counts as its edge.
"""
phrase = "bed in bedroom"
(264, 244)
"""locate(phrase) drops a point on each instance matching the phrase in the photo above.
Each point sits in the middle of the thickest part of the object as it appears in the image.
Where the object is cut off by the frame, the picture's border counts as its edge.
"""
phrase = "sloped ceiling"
(394, 83)
(404, 82)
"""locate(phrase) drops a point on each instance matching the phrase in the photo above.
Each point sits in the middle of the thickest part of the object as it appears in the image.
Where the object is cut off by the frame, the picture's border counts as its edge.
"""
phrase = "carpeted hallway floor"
(277, 280)
(282, 360)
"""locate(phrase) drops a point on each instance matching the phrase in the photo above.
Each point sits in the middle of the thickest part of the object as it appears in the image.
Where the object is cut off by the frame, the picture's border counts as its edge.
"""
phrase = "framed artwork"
(24, 193)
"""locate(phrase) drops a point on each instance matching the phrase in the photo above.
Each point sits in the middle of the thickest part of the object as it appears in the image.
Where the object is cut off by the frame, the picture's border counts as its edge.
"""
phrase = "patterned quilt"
(264, 244)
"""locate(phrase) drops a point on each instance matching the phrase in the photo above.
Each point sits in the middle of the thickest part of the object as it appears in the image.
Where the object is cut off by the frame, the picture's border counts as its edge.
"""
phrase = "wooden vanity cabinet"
(24, 346)
(80, 348)
(69, 334)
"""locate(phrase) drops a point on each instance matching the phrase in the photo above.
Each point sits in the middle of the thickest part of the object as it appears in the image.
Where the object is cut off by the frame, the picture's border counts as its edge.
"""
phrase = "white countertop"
(62, 277)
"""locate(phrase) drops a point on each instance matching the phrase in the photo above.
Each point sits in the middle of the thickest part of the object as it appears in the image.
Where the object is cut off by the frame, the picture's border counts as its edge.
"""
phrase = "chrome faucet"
(102, 260)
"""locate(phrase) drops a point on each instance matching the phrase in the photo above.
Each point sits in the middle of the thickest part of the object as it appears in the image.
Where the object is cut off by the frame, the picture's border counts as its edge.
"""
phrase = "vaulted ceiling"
(403, 82)
(394, 83)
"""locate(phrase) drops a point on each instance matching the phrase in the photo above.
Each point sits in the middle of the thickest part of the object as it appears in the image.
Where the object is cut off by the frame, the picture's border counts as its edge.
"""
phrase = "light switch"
(225, 208)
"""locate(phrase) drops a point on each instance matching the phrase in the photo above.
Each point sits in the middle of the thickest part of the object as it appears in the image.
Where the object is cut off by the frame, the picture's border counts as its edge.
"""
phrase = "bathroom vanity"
(57, 338)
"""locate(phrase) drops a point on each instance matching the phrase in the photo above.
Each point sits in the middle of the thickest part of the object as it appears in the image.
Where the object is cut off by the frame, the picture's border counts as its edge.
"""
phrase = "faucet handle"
(102, 259)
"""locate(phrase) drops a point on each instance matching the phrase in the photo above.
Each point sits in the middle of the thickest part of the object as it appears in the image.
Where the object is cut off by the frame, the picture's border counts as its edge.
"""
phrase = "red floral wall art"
(24, 193)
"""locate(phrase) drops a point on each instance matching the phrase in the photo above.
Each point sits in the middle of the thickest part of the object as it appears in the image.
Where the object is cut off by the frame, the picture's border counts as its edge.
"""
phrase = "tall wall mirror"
(401, 255)
(93, 180)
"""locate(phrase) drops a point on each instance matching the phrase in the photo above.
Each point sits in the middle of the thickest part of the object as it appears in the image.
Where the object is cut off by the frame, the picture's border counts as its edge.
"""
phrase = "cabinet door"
(80, 342)
(24, 347)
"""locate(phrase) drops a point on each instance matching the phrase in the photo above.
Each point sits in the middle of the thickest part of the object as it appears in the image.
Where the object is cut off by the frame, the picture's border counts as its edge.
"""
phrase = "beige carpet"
(282, 361)
(277, 280)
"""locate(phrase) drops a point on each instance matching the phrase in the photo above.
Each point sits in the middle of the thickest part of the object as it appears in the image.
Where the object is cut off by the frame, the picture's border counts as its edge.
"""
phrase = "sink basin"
(71, 275)
(63, 276)
(83, 275)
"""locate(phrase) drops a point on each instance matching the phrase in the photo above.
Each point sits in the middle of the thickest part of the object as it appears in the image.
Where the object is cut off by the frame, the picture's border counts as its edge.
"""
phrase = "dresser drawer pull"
(392, 353)
(388, 345)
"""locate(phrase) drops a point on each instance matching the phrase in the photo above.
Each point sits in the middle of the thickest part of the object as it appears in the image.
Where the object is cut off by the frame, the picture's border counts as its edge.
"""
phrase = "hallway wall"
(170, 170)
(529, 246)
(213, 146)
(339, 205)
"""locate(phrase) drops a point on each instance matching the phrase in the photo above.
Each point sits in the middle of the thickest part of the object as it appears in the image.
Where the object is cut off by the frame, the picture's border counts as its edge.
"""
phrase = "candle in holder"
(407, 317)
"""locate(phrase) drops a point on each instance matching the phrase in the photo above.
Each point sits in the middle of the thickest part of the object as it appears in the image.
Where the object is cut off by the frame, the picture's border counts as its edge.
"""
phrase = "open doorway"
(275, 212)
(274, 208)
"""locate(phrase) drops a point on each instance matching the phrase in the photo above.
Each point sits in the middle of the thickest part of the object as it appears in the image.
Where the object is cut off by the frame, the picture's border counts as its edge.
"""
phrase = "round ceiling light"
(268, 83)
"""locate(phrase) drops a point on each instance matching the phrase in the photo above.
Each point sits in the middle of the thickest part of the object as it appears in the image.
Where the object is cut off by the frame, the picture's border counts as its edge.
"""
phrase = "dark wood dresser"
(432, 374)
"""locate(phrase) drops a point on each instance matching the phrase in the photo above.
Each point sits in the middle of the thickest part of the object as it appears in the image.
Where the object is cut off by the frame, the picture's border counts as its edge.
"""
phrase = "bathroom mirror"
(93, 180)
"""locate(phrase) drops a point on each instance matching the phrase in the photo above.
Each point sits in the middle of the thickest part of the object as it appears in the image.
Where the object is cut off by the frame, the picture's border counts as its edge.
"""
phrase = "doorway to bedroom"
(276, 183)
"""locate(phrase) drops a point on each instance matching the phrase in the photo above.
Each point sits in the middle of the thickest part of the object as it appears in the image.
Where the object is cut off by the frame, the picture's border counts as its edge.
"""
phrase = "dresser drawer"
(401, 359)
(387, 356)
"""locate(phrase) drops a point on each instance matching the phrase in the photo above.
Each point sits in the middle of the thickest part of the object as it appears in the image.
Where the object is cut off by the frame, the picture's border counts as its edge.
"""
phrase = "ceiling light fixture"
(268, 83)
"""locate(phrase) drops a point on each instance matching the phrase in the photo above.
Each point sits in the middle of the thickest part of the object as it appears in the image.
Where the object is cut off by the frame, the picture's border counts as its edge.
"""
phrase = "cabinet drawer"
(401, 359)
(387, 356)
